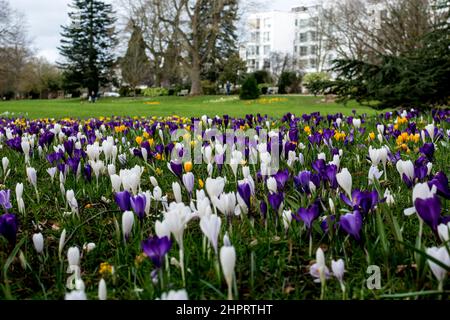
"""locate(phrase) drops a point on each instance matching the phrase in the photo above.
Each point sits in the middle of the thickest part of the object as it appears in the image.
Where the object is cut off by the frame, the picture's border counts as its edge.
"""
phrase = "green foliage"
(135, 64)
(209, 88)
(87, 45)
(233, 69)
(262, 76)
(264, 87)
(289, 83)
(155, 92)
(419, 78)
(249, 90)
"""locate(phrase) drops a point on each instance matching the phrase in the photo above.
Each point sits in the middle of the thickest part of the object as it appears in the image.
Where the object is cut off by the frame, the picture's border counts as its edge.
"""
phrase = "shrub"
(249, 90)
(262, 76)
(209, 88)
(264, 87)
(289, 82)
(315, 82)
(155, 92)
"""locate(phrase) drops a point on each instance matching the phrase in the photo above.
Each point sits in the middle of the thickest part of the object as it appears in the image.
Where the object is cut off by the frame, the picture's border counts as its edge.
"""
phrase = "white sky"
(44, 18)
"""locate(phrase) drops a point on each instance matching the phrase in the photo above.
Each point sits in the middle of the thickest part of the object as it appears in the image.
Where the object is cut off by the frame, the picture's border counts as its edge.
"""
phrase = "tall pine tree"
(87, 45)
(135, 65)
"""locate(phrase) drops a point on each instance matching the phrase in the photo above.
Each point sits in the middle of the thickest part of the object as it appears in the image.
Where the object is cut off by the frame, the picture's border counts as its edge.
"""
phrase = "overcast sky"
(44, 18)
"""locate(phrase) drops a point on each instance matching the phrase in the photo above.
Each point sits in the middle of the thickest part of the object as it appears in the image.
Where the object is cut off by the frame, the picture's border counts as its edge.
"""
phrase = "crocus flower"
(188, 181)
(338, 269)
(351, 223)
(428, 150)
(444, 232)
(127, 223)
(214, 187)
(9, 226)
(102, 291)
(123, 200)
(210, 226)
(319, 269)
(440, 181)
(276, 201)
(440, 254)
(344, 178)
(175, 295)
(263, 209)
(272, 185)
(406, 171)
(244, 193)
(281, 178)
(38, 242)
(176, 188)
(287, 219)
(228, 262)
(176, 168)
(226, 203)
(308, 215)
(156, 248)
(138, 204)
(4, 199)
(426, 204)
(32, 176)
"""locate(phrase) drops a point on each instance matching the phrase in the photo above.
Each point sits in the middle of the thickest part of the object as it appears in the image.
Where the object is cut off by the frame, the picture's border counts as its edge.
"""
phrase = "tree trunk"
(196, 84)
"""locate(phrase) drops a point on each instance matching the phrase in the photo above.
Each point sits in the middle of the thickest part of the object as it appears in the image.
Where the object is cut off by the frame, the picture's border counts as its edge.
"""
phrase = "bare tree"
(362, 29)
(14, 50)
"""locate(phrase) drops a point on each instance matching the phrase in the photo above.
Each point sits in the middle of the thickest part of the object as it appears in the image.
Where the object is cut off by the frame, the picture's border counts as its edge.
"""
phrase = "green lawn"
(181, 106)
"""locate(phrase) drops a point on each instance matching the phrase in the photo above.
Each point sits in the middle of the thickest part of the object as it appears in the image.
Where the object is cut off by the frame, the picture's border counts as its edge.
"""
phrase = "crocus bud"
(102, 292)
(177, 192)
(127, 223)
(153, 181)
(38, 242)
(272, 184)
(73, 256)
(338, 269)
(344, 179)
(228, 262)
(62, 241)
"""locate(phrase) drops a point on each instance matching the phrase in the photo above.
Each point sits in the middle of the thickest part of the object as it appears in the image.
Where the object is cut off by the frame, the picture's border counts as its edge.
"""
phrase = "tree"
(198, 35)
(226, 40)
(14, 51)
(135, 65)
(87, 45)
(233, 69)
(289, 82)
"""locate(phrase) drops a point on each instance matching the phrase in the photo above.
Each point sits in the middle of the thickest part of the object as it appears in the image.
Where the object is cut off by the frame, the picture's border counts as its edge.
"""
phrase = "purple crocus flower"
(308, 215)
(428, 150)
(245, 192)
(87, 172)
(156, 248)
(440, 180)
(351, 223)
(123, 200)
(9, 226)
(73, 164)
(429, 210)
(138, 204)
(363, 201)
(275, 200)
(263, 209)
(4, 199)
(176, 168)
(281, 177)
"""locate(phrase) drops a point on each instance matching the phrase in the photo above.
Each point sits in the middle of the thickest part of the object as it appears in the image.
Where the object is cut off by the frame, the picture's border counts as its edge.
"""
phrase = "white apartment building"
(292, 33)
(268, 32)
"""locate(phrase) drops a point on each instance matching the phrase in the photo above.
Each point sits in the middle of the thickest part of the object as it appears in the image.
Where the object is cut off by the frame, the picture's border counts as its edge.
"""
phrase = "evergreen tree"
(135, 65)
(225, 42)
(87, 45)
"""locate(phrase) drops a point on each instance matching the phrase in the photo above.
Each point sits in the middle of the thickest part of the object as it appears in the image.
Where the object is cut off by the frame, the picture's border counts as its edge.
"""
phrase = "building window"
(266, 64)
(258, 23)
(303, 51)
(257, 65)
(267, 23)
(313, 36)
(303, 37)
(266, 50)
(313, 63)
(303, 23)
(257, 50)
(266, 37)
(313, 49)
(295, 49)
(296, 22)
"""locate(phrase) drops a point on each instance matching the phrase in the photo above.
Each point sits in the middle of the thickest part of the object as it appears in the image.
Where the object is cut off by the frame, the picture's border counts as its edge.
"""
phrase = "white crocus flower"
(344, 179)
(210, 226)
